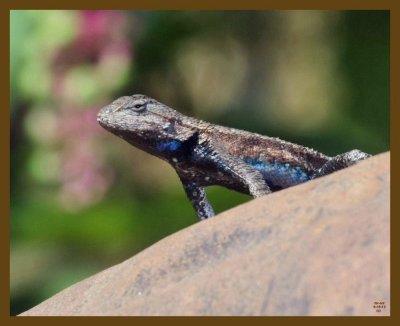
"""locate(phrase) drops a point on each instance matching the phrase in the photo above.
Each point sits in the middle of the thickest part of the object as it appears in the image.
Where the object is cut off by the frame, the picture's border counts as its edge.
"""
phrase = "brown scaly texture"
(204, 154)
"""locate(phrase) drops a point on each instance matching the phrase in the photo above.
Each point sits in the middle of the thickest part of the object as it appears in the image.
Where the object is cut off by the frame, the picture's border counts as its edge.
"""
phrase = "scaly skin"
(205, 154)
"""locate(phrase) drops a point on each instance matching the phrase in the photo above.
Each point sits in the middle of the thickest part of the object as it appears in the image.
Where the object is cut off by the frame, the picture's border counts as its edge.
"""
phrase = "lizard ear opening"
(191, 141)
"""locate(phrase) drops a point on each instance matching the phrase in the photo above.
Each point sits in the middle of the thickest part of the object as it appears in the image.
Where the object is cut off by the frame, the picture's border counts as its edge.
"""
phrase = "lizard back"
(281, 163)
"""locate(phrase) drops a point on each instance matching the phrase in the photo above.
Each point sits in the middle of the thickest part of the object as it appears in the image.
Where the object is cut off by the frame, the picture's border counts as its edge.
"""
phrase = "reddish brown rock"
(321, 248)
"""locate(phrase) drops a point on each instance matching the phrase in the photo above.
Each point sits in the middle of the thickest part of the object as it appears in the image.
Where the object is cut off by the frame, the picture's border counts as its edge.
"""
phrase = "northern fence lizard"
(205, 154)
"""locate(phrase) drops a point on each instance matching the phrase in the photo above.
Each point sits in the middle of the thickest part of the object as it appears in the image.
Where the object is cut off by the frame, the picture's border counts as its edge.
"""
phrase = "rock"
(320, 248)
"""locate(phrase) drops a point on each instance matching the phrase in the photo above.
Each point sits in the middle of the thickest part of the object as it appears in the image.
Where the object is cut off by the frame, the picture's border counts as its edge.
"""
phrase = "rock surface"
(320, 248)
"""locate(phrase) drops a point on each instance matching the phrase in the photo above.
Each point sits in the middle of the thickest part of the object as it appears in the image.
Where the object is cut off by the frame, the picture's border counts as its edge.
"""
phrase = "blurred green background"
(83, 200)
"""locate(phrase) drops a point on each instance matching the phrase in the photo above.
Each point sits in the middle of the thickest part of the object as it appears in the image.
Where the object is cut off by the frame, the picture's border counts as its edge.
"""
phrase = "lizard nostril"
(100, 116)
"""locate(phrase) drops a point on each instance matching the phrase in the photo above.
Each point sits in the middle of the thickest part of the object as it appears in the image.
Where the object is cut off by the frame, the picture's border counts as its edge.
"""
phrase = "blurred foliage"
(83, 200)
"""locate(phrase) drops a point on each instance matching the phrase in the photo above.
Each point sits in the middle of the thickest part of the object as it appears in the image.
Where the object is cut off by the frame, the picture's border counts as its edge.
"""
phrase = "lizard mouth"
(103, 118)
(100, 118)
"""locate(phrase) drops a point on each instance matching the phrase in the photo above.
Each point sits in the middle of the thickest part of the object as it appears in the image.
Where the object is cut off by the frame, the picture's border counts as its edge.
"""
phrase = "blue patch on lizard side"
(277, 174)
(169, 146)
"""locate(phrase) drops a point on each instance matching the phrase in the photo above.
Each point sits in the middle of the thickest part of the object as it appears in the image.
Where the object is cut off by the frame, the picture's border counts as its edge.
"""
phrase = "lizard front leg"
(205, 155)
(341, 161)
(198, 198)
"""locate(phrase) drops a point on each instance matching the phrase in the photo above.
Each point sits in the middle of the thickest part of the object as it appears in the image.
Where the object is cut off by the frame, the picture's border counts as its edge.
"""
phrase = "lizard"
(205, 154)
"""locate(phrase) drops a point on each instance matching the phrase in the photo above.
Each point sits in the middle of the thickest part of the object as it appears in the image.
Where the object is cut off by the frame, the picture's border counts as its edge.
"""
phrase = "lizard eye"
(139, 107)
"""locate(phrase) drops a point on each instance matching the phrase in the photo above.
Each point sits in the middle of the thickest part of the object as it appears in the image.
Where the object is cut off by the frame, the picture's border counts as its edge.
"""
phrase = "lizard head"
(143, 122)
